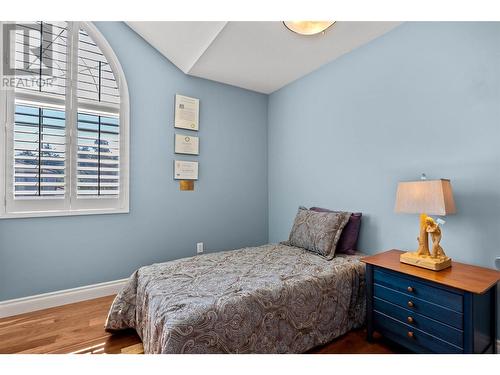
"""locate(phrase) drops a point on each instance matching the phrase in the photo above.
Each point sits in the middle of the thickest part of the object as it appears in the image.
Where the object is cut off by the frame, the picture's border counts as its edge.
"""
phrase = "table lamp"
(424, 197)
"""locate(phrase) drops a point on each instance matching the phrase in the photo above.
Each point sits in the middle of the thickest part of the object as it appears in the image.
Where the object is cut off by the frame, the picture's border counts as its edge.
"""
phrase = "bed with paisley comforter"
(268, 299)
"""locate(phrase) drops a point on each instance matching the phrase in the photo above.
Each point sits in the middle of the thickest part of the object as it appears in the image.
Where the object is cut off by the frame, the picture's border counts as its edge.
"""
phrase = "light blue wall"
(424, 97)
(228, 208)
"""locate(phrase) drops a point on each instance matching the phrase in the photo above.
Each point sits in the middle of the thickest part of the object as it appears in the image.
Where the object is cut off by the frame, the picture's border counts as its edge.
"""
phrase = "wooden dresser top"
(461, 276)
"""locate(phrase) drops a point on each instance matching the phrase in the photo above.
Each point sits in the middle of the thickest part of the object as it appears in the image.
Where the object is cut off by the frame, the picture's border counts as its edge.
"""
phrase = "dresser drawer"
(411, 336)
(429, 309)
(432, 327)
(419, 289)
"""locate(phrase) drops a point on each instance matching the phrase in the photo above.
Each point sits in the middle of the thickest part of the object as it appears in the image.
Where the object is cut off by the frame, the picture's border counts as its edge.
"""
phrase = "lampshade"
(432, 197)
(308, 27)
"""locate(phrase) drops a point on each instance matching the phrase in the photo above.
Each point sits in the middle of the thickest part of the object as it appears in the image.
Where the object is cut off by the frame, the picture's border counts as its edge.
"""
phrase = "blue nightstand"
(448, 311)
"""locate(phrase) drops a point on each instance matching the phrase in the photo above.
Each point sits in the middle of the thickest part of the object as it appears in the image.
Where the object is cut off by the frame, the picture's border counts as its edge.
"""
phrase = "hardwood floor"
(78, 328)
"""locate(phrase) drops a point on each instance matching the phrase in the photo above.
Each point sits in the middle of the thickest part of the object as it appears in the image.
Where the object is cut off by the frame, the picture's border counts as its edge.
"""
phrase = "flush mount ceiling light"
(308, 27)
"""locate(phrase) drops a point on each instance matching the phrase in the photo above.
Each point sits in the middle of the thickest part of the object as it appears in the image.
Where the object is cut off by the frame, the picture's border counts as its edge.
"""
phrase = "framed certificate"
(186, 144)
(187, 111)
(185, 170)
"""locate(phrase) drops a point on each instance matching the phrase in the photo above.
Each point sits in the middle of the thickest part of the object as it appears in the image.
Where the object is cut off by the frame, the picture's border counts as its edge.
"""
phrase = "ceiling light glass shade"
(308, 27)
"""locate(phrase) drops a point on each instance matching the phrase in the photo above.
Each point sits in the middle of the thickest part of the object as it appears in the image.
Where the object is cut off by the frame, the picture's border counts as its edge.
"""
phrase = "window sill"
(34, 214)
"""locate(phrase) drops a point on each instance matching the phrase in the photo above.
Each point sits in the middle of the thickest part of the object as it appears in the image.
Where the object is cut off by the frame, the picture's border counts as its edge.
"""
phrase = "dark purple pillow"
(348, 240)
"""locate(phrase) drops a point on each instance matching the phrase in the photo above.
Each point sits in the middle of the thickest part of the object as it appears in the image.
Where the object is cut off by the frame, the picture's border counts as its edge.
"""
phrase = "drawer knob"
(410, 334)
(410, 304)
(410, 319)
(409, 289)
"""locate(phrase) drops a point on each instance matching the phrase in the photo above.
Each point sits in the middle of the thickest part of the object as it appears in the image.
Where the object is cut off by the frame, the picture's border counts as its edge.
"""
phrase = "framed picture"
(186, 144)
(185, 170)
(187, 111)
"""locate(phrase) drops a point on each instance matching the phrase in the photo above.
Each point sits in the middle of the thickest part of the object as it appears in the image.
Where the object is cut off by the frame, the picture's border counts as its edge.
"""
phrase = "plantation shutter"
(98, 165)
(39, 152)
(39, 115)
(66, 125)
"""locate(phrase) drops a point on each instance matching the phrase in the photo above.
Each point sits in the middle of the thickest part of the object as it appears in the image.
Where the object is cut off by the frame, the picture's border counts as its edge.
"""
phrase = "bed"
(270, 299)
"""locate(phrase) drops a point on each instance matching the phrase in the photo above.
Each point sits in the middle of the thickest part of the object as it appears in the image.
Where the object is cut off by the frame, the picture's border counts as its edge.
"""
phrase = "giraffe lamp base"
(437, 260)
(425, 261)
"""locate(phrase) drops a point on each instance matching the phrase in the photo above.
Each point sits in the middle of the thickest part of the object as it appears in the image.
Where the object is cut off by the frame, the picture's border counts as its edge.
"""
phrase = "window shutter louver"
(40, 45)
(98, 123)
(96, 81)
(39, 118)
(39, 152)
(98, 155)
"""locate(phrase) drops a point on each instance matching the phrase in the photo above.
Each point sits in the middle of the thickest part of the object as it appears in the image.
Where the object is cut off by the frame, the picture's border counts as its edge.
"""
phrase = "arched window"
(66, 112)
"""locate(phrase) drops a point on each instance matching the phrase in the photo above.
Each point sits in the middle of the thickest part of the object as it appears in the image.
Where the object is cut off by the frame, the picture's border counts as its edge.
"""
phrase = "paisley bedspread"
(268, 299)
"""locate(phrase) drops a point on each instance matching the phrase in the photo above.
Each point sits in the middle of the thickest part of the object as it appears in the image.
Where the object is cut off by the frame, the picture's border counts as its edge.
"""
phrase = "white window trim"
(71, 206)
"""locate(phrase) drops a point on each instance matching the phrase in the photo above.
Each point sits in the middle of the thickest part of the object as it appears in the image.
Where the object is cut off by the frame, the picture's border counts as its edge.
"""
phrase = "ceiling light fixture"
(308, 27)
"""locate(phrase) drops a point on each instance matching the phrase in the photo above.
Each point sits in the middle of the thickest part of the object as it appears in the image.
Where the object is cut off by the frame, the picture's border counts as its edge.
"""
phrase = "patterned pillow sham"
(348, 241)
(318, 232)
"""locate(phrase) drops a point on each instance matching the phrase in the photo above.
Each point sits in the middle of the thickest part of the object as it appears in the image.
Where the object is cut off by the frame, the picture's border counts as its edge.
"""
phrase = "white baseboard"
(61, 297)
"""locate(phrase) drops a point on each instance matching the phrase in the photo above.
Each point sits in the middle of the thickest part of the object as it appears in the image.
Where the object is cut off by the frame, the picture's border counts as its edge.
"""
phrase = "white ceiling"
(259, 56)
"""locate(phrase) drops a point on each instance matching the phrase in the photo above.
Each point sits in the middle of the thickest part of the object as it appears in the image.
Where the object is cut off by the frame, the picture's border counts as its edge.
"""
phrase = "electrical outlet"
(199, 247)
(497, 262)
